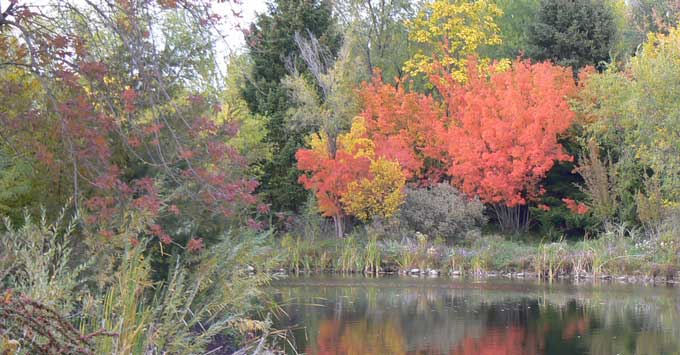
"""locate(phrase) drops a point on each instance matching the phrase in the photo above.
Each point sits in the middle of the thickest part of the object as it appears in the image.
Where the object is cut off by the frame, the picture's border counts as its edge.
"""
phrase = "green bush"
(441, 211)
(560, 222)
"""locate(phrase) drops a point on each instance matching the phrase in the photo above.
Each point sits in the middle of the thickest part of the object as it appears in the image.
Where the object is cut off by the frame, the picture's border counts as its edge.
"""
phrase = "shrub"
(558, 221)
(36, 260)
(441, 211)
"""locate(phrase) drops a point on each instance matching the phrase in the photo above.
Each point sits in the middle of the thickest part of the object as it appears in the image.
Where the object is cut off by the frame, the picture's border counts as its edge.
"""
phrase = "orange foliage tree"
(495, 136)
(502, 131)
(329, 176)
(352, 178)
(401, 124)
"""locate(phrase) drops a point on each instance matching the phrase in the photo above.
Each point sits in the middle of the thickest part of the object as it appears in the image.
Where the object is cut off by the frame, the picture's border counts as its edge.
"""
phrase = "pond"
(405, 315)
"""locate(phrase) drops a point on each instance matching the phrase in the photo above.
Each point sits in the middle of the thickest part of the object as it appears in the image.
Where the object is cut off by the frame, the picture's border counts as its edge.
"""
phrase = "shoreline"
(522, 275)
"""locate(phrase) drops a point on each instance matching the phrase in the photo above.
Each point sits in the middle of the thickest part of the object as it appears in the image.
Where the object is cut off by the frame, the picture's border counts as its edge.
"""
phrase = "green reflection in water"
(390, 315)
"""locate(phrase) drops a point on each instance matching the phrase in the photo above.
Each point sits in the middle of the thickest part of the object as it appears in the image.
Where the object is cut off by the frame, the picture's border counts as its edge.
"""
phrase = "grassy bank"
(617, 252)
(62, 294)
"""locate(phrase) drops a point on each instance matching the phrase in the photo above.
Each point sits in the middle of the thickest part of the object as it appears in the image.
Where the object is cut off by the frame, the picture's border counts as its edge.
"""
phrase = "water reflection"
(417, 316)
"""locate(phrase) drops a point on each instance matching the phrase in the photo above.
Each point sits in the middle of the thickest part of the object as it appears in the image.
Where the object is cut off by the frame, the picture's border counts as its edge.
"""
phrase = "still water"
(404, 315)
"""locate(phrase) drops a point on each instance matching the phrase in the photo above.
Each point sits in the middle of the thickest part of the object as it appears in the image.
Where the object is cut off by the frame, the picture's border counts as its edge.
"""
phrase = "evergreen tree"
(514, 24)
(272, 51)
(574, 33)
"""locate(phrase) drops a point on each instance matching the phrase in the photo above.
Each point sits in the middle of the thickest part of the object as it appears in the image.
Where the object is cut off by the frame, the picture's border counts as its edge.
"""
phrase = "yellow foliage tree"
(449, 31)
(378, 195)
(356, 142)
(355, 180)
(380, 192)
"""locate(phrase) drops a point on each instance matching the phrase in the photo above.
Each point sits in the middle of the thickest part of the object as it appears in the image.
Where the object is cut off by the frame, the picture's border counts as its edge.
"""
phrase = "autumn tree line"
(180, 160)
(519, 104)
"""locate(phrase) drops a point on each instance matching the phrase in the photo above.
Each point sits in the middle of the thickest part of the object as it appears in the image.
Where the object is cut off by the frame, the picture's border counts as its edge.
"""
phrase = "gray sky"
(234, 38)
(250, 9)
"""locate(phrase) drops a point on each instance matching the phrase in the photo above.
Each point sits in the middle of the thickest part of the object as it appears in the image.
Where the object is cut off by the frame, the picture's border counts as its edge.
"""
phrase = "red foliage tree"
(502, 133)
(329, 176)
(401, 124)
(123, 130)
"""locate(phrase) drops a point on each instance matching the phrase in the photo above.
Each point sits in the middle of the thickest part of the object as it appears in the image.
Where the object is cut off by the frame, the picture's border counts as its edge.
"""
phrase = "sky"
(233, 43)
(250, 9)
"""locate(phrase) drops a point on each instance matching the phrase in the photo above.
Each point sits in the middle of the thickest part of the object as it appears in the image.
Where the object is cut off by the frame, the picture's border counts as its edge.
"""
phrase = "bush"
(36, 259)
(559, 221)
(441, 211)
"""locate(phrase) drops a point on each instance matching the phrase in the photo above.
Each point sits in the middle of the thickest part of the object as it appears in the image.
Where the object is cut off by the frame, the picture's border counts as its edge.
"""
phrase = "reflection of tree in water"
(500, 341)
(366, 319)
(359, 337)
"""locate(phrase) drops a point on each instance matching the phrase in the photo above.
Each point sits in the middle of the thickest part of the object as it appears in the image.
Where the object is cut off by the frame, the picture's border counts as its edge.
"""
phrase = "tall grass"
(550, 259)
(351, 255)
(619, 250)
(205, 294)
(123, 310)
(373, 255)
(292, 248)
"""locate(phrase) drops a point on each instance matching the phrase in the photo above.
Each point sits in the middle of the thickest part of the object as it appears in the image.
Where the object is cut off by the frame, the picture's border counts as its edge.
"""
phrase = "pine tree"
(271, 45)
(573, 33)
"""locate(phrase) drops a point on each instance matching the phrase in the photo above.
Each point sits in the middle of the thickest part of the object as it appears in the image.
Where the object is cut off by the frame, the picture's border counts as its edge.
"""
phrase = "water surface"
(404, 315)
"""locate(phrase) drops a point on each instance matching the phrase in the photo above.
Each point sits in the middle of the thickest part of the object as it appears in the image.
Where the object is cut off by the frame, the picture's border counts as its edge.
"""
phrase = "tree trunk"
(339, 224)
(513, 219)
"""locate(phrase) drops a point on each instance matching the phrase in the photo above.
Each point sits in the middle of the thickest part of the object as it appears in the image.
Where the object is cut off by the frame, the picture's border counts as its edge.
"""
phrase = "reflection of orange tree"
(575, 327)
(518, 340)
(500, 341)
(359, 337)
(326, 342)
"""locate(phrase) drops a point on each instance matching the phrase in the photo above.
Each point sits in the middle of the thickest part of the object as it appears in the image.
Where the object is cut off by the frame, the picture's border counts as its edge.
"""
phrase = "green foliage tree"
(634, 118)
(656, 72)
(271, 44)
(328, 103)
(573, 33)
(606, 104)
(251, 137)
(17, 190)
(627, 35)
(17, 183)
(517, 17)
(378, 30)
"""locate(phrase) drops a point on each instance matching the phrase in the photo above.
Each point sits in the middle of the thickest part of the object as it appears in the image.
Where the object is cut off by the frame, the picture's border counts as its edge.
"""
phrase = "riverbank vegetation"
(560, 161)
(152, 180)
(618, 252)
